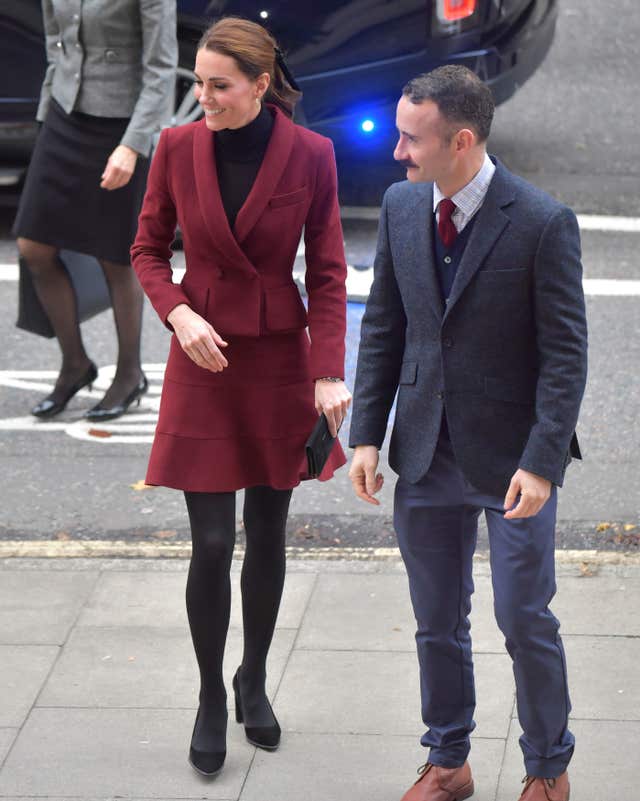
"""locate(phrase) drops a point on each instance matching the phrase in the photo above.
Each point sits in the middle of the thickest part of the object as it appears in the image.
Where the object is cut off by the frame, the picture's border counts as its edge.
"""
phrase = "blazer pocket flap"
(516, 391)
(408, 373)
(289, 198)
(284, 309)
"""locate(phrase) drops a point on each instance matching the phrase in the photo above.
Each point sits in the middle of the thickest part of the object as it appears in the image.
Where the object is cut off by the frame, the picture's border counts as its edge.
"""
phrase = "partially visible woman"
(109, 87)
(244, 382)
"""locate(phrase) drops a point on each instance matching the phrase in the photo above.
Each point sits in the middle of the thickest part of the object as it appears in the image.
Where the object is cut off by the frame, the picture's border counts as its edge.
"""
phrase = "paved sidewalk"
(98, 685)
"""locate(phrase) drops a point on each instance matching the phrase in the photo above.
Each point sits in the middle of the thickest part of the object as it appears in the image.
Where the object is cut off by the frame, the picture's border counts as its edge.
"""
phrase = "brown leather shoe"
(537, 789)
(441, 784)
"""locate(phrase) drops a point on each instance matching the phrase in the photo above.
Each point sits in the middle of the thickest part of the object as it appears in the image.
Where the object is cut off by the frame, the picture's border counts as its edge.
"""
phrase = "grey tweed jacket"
(112, 58)
(506, 358)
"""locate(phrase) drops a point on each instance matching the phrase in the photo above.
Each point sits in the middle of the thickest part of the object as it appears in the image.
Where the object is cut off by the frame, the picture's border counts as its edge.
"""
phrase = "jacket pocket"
(289, 198)
(408, 373)
(284, 309)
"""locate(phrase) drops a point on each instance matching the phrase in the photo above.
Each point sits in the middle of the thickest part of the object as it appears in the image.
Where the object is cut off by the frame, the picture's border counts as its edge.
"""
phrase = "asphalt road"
(572, 130)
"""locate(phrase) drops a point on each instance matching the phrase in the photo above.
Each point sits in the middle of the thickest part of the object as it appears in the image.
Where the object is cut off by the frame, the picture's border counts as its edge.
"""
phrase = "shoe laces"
(528, 781)
(423, 770)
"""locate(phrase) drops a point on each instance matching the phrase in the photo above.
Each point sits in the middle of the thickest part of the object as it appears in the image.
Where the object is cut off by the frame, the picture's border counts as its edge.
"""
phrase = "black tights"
(54, 289)
(212, 518)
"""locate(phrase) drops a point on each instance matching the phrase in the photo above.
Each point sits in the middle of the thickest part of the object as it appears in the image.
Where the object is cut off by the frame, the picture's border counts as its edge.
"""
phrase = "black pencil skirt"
(62, 203)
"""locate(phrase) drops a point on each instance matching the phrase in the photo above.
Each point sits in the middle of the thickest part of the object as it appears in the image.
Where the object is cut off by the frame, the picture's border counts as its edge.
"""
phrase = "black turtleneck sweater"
(239, 154)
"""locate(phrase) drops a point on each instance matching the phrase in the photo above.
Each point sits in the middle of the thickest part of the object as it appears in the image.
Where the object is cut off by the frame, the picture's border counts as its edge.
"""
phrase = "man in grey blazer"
(476, 315)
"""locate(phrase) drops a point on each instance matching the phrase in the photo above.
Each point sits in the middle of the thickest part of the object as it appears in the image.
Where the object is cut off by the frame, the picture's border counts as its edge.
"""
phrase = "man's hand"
(198, 339)
(120, 167)
(332, 398)
(366, 482)
(534, 493)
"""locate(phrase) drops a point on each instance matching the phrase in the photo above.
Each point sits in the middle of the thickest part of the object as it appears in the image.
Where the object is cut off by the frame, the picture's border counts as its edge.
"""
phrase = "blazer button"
(440, 395)
(221, 274)
(111, 55)
(447, 259)
(447, 342)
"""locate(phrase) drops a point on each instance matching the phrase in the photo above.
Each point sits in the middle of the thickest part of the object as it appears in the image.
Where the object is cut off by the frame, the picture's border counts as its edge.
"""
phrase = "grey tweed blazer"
(506, 357)
(112, 58)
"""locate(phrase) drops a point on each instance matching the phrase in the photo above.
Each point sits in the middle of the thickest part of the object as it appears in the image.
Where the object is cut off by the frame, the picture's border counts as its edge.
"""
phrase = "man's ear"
(465, 140)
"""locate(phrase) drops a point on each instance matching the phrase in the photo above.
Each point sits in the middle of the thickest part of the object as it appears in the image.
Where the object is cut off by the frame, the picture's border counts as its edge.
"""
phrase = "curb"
(99, 549)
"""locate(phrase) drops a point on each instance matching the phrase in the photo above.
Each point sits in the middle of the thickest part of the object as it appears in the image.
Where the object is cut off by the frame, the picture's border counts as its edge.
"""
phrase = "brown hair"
(254, 50)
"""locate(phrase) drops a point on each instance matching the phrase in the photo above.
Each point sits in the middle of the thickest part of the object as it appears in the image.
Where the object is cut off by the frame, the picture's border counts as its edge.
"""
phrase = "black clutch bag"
(318, 447)
(89, 284)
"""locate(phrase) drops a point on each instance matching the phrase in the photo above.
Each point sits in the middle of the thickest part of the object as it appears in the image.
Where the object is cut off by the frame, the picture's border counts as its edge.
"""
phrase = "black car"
(351, 60)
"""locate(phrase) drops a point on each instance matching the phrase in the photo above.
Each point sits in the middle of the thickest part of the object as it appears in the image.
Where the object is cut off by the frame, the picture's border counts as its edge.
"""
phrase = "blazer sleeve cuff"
(138, 141)
(166, 306)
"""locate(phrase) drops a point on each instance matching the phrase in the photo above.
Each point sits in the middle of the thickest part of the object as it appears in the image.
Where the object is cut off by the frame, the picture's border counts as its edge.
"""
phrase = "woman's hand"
(120, 167)
(198, 339)
(333, 398)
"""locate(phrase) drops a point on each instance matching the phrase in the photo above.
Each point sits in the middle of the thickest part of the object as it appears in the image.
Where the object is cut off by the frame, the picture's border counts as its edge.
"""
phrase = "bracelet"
(329, 378)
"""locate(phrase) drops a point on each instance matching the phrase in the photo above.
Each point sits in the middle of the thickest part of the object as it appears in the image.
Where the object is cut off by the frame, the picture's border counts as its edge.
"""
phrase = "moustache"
(407, 163)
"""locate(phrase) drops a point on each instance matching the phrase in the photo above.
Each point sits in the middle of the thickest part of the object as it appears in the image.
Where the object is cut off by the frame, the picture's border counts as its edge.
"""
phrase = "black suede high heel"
(265, 737)
(99, 413)
(49, 407)
(206, 763)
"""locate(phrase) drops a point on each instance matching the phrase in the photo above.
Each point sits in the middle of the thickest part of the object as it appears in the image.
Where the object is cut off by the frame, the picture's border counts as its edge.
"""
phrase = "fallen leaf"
(62, 535)
(99, 432)
(586, 569)
(164, 535)
(140, 485)
(603, 526)
(629, 527)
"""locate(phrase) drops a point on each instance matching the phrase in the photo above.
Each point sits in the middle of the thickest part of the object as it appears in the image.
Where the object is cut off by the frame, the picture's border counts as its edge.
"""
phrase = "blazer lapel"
(206, 178)
(490, 223)
(273, 165)
(420, 248)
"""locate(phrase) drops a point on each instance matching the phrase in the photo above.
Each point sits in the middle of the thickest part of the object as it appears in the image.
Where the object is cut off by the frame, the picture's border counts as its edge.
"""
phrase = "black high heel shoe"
(49, 407)
(99, 414)
(265, 737)
(206, 763)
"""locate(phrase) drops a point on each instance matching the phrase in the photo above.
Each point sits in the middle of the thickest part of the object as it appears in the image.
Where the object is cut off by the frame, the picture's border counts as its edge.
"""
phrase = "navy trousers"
(436, 523)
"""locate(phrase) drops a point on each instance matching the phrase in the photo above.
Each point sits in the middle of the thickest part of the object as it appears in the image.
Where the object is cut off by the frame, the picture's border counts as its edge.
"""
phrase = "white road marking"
(136, 427)
(611, 287)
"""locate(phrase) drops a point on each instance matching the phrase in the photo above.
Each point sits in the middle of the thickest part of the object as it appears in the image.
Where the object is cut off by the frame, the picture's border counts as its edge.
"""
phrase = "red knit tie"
(447, 230)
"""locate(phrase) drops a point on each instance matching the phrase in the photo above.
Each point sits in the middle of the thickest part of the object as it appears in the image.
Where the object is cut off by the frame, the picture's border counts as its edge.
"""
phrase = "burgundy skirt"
(245, 426)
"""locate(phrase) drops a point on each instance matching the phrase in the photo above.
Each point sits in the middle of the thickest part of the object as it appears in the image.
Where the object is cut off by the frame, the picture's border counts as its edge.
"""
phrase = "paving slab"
(23, 669)
(603, 677)
(340, 767)
(39, 607)
(373, 613)
(7, 736)
(603, 768)
(108, 753)
(378, 693)
(154, 599)
(135, 666)
(604, 606)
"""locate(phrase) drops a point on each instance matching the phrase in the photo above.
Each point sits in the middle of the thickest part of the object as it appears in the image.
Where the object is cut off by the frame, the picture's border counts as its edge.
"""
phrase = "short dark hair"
(461, 97)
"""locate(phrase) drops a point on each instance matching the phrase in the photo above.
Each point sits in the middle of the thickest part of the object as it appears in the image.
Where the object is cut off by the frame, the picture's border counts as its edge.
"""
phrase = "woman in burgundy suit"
(244, 382)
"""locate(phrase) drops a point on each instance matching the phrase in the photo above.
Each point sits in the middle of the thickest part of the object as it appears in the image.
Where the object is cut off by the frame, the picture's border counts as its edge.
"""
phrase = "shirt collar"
(469, 198)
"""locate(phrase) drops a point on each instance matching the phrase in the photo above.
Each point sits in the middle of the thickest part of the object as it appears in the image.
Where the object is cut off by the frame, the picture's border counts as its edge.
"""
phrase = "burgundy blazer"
(241, 280)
